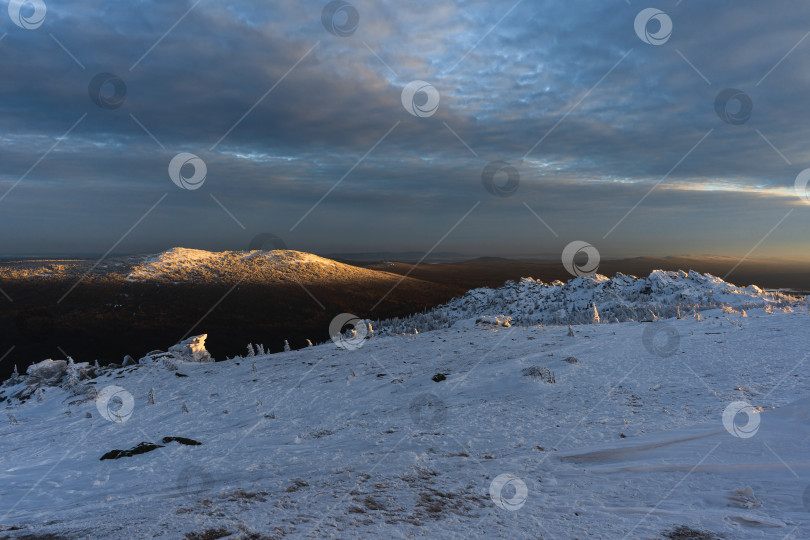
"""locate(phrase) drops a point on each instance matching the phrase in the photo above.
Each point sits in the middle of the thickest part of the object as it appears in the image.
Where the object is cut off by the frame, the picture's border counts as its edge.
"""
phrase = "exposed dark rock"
(181, 440)
(142, 448)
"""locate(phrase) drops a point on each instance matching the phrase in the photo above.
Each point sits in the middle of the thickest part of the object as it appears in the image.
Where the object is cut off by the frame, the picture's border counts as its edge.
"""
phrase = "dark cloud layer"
(590, 116)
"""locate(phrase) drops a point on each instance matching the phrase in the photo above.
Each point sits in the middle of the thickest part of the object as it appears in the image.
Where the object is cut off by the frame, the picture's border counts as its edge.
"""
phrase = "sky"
(483, 128)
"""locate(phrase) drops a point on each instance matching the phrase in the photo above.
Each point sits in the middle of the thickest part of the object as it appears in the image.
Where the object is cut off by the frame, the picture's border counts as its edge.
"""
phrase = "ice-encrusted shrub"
(71, 375)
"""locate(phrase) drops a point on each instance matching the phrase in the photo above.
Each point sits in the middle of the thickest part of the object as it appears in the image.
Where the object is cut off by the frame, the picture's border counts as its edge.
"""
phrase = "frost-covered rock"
(489, 320)
(192, 350)
(55, 372)
(47, 372)
(530, 302)
(188, 350)
(540, 372)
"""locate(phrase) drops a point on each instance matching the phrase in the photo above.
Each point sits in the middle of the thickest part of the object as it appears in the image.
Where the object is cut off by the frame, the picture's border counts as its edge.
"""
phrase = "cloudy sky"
(615, 132)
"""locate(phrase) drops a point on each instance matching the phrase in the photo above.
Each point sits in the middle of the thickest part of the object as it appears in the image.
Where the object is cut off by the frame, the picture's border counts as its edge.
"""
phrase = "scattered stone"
(682, 532)
(439, 377)
(572, 360)
(540, 372)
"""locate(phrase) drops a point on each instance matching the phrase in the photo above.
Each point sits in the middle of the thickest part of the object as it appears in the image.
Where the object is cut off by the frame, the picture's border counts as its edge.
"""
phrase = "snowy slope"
(629, 442)
(622, 298)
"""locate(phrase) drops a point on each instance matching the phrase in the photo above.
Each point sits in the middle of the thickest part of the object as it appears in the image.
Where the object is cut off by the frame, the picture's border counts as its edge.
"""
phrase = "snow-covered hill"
(195, 265)
(621, 298)
(445, 434)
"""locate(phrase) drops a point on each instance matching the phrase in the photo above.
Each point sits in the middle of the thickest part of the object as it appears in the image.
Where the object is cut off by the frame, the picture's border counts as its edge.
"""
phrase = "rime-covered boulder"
(47, 372)
(53, 372)
(188, 350)
(192, 350)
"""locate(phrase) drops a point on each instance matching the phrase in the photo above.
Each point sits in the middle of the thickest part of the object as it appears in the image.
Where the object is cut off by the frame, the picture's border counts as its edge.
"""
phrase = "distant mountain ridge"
(184, 265)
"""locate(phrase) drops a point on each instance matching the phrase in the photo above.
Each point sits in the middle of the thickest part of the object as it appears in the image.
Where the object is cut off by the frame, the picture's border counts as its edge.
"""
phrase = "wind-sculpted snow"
(622, 298)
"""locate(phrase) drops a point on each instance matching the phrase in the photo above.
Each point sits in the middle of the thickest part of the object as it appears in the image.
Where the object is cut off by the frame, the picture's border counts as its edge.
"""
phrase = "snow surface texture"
(631, 440)
(623, 298)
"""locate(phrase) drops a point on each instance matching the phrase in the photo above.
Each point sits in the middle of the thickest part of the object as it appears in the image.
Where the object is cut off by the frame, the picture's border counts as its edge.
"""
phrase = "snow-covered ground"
(410, 436)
